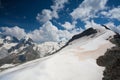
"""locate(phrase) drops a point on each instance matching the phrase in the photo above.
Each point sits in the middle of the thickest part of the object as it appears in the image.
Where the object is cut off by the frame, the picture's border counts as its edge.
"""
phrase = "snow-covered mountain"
(6, 42)
(14, 51)
(48, 48)
(74, 61)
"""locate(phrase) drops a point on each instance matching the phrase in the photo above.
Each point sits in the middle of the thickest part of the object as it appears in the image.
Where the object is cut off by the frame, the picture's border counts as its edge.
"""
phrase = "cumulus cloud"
(14, 31)
(88, 8)
(46, 33)
(48, 14)
(58, 4)
(69, 26)
(91, 24)
(113, 13)
(49, 32)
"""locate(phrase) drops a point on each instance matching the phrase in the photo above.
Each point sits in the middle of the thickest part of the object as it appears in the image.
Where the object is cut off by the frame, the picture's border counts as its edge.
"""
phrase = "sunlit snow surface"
(7, 65)
(77, 61)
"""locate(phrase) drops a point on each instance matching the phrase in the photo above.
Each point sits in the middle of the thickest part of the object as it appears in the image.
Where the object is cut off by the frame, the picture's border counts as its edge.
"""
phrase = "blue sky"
(23, 12)
(68, 17)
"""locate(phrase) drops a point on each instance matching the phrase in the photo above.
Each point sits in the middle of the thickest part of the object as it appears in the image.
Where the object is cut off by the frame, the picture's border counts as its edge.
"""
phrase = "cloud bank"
(48, 32)
(14, 31)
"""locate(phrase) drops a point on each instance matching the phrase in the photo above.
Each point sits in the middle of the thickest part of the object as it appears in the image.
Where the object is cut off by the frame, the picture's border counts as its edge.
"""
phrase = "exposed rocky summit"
(84, 33)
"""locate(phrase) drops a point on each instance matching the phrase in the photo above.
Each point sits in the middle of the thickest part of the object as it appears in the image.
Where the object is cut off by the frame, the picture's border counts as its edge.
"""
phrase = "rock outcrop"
(111, 60)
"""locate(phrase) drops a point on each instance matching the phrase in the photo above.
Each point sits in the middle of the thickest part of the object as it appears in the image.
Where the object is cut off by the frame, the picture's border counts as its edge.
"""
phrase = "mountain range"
(14, 51)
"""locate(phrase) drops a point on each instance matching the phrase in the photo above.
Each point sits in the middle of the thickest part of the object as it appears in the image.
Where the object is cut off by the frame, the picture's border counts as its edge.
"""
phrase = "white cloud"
(88, 8)
(58, 4)
(48, 14)
(91, 24)
(14, 31)
(46, 33)
(68, 25)
(113, 13)
(49, 32)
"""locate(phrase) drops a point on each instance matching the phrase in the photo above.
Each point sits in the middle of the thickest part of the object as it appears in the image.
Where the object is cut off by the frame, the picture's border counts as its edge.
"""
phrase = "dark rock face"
(85, 33)
(1, 45)
(111, 61)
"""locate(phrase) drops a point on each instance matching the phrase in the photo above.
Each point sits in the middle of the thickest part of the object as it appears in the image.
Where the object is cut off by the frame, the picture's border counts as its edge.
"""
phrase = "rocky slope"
(111, 60)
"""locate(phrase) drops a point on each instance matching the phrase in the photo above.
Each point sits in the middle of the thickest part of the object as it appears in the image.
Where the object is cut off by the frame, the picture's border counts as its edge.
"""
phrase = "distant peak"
(26, 38)
(8, 38)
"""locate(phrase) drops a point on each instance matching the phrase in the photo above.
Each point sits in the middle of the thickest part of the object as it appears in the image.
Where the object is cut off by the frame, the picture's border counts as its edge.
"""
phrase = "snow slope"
(77, 61)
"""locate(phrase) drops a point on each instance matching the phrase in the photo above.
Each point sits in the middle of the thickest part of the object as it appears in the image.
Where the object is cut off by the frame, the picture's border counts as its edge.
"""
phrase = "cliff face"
(111, 60)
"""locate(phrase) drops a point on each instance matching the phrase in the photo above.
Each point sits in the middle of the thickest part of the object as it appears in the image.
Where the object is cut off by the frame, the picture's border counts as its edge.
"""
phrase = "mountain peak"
(92, 33)
(87, 32)
(8, 38)
(26, 40)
